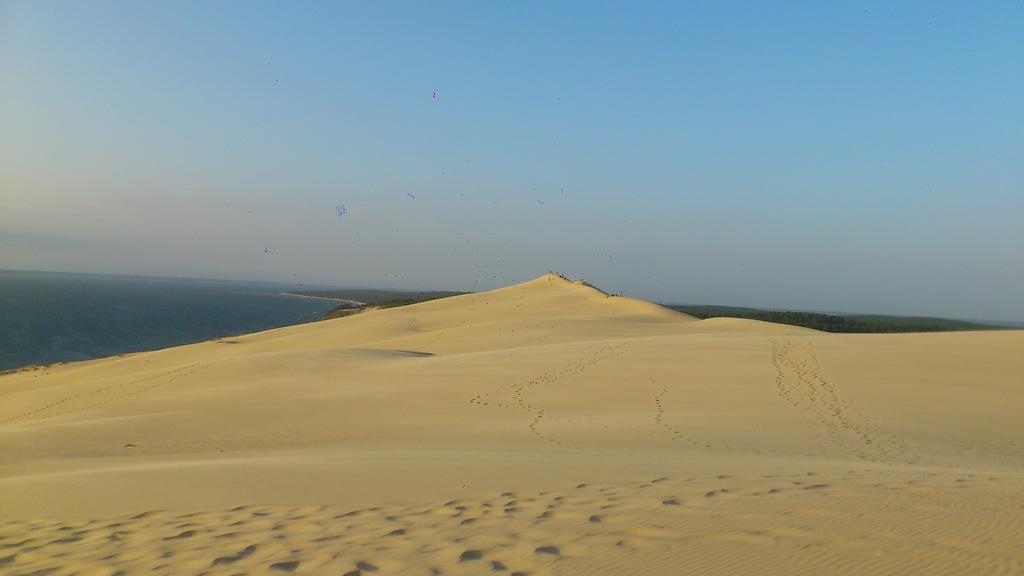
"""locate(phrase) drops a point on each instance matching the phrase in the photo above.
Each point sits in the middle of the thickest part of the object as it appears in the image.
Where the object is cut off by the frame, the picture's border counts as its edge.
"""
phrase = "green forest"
(359, 299)
(833, 322)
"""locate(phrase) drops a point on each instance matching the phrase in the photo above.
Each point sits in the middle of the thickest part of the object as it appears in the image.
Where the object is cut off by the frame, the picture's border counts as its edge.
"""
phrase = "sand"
(543, 428)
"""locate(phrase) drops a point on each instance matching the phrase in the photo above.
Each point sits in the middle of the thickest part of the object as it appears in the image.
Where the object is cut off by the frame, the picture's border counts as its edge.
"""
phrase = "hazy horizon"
(301, 286)
(863, 159)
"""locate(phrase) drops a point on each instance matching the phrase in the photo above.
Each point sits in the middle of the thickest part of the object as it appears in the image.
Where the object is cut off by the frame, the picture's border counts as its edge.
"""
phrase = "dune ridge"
(541, 428)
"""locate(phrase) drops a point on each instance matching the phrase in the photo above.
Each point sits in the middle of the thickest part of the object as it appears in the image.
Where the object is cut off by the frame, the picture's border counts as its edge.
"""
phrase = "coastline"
(353, 302)
(72, 317)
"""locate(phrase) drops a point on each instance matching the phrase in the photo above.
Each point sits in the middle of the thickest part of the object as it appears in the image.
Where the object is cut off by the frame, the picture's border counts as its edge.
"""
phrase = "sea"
(48, 317)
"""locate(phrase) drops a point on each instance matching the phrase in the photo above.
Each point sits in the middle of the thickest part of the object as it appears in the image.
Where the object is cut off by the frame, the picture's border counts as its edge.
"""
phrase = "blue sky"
(862, 157)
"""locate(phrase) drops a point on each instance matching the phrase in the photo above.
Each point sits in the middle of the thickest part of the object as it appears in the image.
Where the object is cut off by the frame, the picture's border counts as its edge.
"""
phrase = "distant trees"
(834, 322)
(359, 300)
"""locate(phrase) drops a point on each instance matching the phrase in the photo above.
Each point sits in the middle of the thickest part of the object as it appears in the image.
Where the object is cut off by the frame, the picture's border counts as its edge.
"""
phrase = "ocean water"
(50, 317)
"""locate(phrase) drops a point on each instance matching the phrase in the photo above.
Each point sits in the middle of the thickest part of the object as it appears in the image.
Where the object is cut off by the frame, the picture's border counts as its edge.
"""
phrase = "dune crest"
(541, 428)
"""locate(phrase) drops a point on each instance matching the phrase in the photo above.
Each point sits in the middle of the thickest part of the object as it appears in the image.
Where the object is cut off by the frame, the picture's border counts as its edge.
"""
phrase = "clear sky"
(861, 157)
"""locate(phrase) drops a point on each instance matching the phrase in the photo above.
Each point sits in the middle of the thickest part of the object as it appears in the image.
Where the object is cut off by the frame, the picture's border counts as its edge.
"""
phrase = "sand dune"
(543, 428)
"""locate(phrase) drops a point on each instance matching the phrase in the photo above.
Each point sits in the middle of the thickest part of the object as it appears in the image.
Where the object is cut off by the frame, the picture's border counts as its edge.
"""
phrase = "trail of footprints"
(514, 533)
(437, 337)
(836, 419)
(659, 418)
(516, 395)
(674, 432)
(121, 390)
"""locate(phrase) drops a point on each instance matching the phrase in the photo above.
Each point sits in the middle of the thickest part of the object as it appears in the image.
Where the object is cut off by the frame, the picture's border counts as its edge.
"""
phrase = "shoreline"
(355, 303)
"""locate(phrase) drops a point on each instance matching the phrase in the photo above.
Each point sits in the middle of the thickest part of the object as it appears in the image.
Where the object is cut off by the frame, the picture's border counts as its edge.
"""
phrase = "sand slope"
(543, 428)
